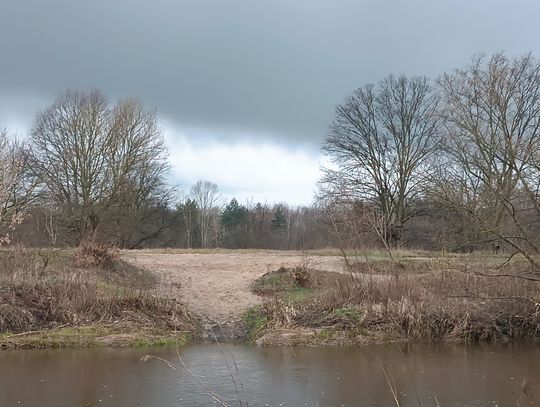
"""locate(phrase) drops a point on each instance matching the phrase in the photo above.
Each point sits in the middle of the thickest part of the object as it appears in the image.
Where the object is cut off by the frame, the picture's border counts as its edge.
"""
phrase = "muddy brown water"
(423, 375)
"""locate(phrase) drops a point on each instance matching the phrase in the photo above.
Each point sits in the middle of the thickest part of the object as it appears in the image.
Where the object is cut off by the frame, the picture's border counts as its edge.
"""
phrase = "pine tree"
(279, 220)
(233, 215)
(233, 220)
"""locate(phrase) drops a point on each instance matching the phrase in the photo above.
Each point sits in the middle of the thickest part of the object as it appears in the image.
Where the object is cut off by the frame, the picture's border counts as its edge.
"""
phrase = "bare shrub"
(280, 312)
(93, 254)
(300, 275)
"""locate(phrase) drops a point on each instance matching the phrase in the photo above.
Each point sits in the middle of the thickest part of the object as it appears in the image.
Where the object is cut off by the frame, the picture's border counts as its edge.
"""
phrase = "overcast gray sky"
(244, 89)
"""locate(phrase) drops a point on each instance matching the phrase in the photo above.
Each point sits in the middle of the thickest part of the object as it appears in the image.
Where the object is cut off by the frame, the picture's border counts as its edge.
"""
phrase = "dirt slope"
(216, 286)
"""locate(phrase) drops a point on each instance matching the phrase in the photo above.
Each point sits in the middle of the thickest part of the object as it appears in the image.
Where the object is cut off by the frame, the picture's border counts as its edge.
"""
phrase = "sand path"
(216, 286)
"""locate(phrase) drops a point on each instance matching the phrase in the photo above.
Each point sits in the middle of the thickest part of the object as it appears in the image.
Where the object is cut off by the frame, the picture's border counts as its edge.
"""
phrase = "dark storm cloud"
(271, 67)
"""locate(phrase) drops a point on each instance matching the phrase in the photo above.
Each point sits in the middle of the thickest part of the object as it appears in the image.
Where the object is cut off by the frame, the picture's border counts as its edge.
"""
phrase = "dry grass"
(49, 289)
(427, 301)
(284, 279)
(92, 254)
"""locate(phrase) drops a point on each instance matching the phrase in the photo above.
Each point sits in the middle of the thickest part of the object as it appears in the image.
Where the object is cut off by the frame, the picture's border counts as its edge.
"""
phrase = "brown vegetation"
(92, 254)
(426, 301)
(43, 290)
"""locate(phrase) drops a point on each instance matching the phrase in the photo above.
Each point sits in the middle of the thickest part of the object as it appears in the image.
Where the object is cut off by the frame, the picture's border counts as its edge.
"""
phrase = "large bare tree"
(100, 164)
(379, 143)
(492, 153)
(17, 186)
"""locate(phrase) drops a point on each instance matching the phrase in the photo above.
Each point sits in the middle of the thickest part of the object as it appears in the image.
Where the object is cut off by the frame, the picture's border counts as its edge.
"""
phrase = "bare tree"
(51, 225)
(190, 215)
(492, 153)
(100, 164)
(207, 197)
(17, 186)
(380, 143)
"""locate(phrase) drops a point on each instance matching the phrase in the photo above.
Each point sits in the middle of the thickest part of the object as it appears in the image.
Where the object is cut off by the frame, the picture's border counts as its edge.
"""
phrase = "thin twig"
(227, 365)
(393, 389)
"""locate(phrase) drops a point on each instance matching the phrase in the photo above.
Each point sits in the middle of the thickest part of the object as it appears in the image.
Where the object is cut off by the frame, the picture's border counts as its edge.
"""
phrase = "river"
(421, 374)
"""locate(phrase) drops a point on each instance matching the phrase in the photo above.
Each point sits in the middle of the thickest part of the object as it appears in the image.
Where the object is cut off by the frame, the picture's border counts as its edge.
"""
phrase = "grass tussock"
(433, 301)
(50, 289)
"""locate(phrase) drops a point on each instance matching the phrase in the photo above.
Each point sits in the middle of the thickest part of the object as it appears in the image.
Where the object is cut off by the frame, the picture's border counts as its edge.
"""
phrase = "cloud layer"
(243, 71)
(276, 66)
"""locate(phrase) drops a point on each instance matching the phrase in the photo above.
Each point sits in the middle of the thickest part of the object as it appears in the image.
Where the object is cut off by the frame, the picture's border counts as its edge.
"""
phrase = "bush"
(92, 254)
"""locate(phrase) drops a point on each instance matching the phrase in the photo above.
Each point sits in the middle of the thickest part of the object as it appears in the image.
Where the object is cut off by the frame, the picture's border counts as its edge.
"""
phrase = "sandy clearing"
(216, 286)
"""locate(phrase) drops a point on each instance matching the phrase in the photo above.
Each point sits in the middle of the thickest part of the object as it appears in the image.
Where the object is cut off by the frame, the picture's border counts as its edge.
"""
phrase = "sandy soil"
(216, 286)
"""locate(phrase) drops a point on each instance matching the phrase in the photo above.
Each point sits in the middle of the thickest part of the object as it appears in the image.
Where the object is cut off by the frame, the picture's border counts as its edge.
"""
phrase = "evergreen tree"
(233, 220)
(279, 220)
(233, 215)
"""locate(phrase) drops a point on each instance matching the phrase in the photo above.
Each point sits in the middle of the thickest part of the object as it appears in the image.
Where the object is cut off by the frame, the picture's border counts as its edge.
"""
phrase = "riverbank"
(457, 298)
(83, 298)
(90, 298)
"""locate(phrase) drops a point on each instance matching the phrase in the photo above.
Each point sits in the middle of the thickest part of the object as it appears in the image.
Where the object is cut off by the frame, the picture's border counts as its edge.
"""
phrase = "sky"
(244, 89)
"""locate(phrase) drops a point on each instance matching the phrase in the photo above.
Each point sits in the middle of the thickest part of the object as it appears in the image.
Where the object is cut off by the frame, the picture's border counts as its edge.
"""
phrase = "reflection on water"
(452, 375)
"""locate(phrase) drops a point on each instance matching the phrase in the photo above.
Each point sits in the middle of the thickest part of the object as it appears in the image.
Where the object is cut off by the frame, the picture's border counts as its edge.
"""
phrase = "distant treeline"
(235, 225)
(232, 226)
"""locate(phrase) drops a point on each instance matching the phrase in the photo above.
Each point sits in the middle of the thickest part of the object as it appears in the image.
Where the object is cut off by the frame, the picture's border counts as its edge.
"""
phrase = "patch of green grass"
(90, 336)
(349, 313)
(54, 338)
(273, 283)
(89, 330)
(154, 341)
(270, 281)
(326, 333)
(256, 322)
(298, 294)
(371, 254)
